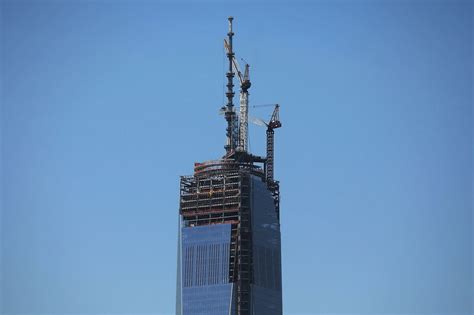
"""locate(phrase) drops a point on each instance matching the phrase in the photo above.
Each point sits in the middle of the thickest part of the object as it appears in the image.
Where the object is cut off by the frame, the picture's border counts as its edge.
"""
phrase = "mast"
(273, 124)
(244, 110)
(229, 110)
(242, 136)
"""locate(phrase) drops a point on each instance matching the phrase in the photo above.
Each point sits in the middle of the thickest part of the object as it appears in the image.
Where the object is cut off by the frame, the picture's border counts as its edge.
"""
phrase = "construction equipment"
(244, 100)
(273, 124)
(237, 140)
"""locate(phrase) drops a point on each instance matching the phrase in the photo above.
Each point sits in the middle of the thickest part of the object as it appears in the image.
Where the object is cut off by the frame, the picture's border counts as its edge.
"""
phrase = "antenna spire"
(229, 109)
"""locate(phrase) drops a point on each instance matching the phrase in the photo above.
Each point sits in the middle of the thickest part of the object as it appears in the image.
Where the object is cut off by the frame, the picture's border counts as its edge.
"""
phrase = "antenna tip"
(230, 26)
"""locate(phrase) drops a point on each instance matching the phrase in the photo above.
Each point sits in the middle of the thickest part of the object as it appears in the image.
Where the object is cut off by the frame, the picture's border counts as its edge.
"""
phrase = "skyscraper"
(229, 249)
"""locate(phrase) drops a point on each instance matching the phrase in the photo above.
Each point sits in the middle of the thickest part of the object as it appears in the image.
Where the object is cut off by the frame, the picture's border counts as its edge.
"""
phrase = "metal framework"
(220, 191)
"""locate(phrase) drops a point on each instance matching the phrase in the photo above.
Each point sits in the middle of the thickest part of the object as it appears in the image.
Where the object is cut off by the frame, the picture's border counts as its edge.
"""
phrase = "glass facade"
(266, 288)
(204, 286)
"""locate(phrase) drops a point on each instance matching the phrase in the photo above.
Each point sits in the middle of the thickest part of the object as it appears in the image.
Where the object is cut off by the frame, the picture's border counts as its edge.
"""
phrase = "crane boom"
(234, 62)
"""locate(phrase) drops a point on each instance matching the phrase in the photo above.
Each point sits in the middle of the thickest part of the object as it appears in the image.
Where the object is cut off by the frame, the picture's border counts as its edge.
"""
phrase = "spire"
(229, 109)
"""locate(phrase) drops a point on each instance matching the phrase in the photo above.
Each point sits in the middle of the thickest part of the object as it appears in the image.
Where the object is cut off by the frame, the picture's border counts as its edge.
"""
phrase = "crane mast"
(244, 111)
(274, 123)
(270, 160)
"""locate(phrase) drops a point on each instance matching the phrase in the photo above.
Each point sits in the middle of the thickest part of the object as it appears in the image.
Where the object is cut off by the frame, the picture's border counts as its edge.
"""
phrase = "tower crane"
(244, 101)
(273, 124)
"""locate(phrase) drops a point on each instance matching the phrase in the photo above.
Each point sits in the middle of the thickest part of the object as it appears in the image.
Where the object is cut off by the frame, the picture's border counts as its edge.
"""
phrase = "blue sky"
(105, 104)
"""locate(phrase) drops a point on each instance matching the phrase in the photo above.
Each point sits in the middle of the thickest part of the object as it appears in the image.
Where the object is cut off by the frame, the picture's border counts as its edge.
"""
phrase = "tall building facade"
(229, 247)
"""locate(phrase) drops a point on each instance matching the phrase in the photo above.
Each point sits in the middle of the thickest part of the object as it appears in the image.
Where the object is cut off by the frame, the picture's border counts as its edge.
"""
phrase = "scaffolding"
(219, 193)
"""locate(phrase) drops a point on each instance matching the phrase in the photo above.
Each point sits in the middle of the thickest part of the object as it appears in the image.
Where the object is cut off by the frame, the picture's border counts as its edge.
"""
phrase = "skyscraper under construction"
(229, 249)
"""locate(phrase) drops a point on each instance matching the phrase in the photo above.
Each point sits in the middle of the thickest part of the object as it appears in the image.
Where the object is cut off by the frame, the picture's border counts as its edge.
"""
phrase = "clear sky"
(106, 103)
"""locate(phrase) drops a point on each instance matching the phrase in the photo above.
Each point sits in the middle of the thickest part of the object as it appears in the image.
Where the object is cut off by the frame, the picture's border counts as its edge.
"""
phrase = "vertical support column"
(244, 245)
